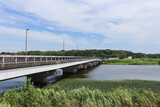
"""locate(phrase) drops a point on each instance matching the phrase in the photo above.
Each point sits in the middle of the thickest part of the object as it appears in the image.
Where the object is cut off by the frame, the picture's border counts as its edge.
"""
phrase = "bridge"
(38, 68)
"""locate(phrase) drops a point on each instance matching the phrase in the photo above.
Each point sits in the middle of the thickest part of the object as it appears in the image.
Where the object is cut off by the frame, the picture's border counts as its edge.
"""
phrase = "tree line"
(103, 53)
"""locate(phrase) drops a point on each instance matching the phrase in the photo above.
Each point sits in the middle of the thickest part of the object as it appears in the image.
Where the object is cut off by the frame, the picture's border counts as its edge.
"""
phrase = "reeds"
(56, 96)
(106, 85)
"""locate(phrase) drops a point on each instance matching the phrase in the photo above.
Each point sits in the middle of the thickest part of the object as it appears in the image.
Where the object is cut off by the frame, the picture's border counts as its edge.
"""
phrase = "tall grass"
(106, 85)
(132, 62)
(57, 96)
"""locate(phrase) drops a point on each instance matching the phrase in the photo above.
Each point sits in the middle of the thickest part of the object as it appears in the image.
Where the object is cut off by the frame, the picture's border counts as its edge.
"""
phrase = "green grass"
(85, 93)
(132, 62)
(106, 85)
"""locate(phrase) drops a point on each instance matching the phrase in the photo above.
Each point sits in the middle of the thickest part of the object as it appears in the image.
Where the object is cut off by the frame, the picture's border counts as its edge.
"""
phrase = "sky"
(91, 24)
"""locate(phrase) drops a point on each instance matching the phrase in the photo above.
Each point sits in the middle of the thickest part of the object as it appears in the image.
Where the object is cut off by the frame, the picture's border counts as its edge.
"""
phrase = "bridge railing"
(9, 59)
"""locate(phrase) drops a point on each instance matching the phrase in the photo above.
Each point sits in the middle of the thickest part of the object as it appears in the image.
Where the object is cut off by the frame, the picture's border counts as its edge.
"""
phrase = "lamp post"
(26, 43)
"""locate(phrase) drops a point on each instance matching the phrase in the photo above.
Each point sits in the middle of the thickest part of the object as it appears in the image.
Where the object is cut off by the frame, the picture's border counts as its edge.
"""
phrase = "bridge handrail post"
(34, 59)
(46, 59)
(25, 59)
(3, 60)
(16, 60)
(40, 59)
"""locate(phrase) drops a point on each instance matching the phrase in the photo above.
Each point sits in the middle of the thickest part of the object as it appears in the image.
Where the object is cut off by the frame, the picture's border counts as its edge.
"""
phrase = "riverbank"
(132, 62)
(86, 92)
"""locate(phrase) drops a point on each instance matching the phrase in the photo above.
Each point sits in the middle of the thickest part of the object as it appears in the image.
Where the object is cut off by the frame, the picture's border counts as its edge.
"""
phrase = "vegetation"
(106, 53)
(132, 62)
(85, 93)
(106, 85)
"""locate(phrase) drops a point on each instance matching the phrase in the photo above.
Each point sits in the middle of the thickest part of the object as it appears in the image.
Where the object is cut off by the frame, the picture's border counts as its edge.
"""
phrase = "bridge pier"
(90, 65)
(37, 79)
(41, 78)
(95, 64)
(83, 66)
(72, 69)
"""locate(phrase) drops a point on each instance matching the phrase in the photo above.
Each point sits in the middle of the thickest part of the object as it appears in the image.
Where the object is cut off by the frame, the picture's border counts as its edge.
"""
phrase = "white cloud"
(50, 28)
(106, 41)
(93, 36)
(133, 21)
(82, 41)
(15, 33)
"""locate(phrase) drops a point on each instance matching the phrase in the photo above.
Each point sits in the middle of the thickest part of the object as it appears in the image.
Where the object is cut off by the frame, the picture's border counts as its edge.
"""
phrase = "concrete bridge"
(38, 68)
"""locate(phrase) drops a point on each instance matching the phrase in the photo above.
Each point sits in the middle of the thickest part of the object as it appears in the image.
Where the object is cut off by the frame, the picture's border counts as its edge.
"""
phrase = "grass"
(132, 62)
(85, 93)
(106, 85)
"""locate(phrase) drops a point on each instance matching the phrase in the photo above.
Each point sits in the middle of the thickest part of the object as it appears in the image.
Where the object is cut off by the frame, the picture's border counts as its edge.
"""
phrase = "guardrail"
(9, 59)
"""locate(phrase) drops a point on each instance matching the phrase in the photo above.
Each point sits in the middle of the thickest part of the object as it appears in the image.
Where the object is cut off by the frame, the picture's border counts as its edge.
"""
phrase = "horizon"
(92, 24)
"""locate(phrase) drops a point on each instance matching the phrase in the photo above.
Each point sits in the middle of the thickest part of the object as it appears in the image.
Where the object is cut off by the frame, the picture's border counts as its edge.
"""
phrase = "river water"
(103, 72)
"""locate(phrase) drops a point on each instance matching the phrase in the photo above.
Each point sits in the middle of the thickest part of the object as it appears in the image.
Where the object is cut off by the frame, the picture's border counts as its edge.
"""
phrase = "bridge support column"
(90, 64)
(83, 67)
(37, 79)
(41, 78)
(94, 63)
(98, 63)
(70, 69)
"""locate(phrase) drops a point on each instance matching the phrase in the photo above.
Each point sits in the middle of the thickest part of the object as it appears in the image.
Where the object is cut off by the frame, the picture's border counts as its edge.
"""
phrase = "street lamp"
(26, 43)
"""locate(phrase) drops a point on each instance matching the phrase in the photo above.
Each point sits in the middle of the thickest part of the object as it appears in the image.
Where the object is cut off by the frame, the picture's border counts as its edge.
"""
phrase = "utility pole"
(26, 43)
(63, 47)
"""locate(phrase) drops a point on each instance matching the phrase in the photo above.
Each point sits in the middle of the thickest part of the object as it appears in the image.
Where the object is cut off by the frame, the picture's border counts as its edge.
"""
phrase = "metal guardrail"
(8, 59)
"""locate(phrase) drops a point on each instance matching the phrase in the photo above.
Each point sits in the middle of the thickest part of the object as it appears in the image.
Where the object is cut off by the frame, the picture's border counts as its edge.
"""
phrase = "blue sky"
(91, 24)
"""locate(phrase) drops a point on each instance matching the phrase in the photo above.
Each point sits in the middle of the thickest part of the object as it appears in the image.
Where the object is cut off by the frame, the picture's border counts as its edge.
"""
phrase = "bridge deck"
(12, 73)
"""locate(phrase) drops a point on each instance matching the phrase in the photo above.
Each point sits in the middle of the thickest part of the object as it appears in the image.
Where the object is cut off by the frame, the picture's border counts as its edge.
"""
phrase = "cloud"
(82, 41)
(15, 38)
(15, 33)
(135, 22)
(50, 28)
(93, 36)
(106, 41)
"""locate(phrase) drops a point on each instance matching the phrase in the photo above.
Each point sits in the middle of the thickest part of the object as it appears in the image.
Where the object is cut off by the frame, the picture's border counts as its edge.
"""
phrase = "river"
(102, 72)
